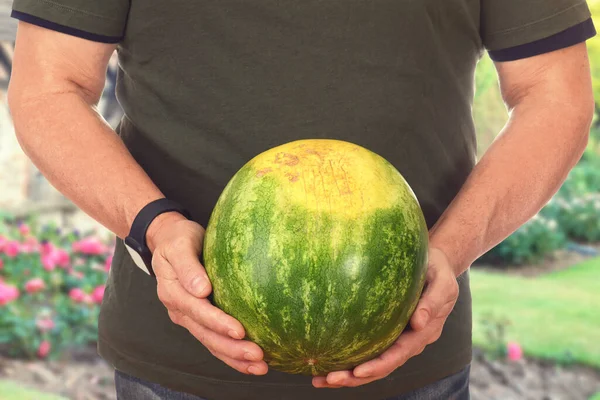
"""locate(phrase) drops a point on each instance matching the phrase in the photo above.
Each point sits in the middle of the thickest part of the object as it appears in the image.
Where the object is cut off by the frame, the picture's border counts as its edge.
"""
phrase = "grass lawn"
(555, 316)
(14, 391)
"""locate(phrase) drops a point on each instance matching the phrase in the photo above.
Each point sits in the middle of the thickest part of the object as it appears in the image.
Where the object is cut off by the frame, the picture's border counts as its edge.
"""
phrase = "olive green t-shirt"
(207, 85)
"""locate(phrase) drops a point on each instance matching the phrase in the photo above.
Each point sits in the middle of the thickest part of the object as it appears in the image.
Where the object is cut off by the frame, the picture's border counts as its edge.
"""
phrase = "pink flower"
(514, 351)
(52, 256)
(98, 294)
(29, 246)
(44, 349)
(11, 248)
(34, 285)
(45, 324)
(77, 295)
(48, 262)
(46, 247)
(87, 299)
(90, 246)
(8, 293)
(61, 257)
(108, 263)
(24, 229)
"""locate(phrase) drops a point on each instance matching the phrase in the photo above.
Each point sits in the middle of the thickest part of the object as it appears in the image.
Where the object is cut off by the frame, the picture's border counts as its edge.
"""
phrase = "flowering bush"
(51, 285)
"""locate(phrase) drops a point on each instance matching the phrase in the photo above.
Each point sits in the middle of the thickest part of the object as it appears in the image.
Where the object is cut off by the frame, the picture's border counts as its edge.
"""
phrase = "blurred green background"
(540, 288)
(536, 296)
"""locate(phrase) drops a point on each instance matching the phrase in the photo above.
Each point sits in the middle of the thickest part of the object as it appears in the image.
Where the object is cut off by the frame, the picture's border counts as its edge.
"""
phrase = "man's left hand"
(436, 303)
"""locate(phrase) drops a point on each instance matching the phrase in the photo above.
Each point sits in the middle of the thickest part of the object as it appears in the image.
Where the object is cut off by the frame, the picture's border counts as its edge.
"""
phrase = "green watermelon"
(319, 248)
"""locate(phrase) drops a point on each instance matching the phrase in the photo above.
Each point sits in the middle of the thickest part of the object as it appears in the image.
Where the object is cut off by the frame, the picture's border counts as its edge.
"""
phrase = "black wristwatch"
(135, 242)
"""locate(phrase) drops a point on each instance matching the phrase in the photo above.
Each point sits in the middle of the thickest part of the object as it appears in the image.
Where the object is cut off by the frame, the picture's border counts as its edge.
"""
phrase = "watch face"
(137, 259)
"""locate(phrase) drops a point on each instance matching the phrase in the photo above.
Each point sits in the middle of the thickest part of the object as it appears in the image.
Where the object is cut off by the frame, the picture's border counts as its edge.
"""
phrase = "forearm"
(80, 154)
(515, 178)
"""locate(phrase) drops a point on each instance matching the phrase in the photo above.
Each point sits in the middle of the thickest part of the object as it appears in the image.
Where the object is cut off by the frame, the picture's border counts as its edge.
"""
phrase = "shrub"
(583, 179)
(573, 213)
(51, 285)
(494, 328)
(579, 217)
(537, 238)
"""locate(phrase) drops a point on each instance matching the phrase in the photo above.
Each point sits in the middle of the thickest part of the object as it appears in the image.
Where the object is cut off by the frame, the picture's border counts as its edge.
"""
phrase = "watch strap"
(137, 235)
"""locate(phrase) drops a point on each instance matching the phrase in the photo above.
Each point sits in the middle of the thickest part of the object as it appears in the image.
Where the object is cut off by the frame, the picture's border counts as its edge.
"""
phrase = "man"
(205, 86)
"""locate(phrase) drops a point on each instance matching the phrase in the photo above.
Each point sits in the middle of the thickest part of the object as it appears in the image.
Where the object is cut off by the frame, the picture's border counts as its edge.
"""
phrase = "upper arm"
(48, 62)
(65, 45)
(538, 47)
(559, 77)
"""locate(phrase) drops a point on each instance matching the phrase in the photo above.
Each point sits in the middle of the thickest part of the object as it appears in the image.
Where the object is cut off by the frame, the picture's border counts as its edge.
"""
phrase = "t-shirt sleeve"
(515, 29)
(96, 20)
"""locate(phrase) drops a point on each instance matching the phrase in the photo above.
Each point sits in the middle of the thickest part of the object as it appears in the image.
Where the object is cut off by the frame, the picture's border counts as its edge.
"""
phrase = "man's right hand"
(183, 287)
(57, 80)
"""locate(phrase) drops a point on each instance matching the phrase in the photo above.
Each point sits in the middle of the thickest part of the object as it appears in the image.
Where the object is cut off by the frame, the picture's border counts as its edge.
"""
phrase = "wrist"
(147, 229)
(457, 241)
(158, 225)
(455, 258)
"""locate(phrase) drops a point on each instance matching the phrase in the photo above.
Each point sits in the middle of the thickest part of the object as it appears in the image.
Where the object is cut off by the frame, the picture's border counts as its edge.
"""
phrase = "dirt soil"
(87, 377)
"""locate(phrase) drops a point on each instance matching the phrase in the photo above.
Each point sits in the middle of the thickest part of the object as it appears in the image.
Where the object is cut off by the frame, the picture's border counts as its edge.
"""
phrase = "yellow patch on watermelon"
(333, 176)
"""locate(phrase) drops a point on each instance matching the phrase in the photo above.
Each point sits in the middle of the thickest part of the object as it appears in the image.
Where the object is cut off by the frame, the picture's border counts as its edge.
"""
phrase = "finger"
(408, 345)
(183, 256)
(340, 379)
(437, 299)
(162, 268)
(245, 367)
(200, 311)
(257, 367)
(223, 345)
(321, 382)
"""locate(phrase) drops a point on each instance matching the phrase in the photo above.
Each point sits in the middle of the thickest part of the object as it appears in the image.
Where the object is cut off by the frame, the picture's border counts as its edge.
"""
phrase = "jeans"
(453, 387)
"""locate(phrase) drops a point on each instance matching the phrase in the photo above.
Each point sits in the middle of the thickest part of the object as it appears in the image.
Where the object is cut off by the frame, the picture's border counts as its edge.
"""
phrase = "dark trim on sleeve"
(32, 19)
(569, 37)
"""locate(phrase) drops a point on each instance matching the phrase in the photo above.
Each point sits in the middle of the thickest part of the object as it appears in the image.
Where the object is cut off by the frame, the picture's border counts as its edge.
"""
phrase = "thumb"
(190, 273)
(441, 291)
(197, 283)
